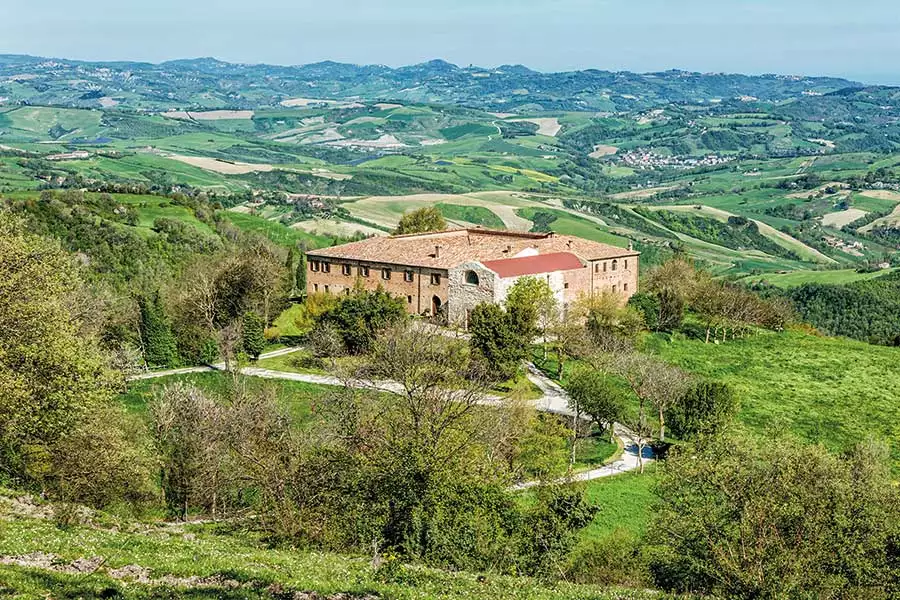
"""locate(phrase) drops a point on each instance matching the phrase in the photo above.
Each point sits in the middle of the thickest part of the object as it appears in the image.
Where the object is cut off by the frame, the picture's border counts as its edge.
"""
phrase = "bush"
(361, 316)
(704, 409)
(496, 341)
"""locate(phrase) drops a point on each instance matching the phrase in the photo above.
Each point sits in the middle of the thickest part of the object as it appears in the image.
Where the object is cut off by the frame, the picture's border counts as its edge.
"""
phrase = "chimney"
(631, 246)
(437, 251)
(509, 248)
(569, 244)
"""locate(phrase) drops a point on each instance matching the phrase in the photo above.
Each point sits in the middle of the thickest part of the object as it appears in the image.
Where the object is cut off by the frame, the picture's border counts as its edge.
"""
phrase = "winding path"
(554, 400)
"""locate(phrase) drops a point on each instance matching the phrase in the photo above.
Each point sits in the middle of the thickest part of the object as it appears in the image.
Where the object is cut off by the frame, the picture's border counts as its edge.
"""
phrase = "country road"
(554, 400)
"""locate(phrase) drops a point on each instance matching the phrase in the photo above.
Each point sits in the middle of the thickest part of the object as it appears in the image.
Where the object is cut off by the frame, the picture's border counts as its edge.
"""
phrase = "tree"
(189, 435)
(530, 304)
(300, 278)
(422, 220)
(253, 335)
(741, 517)
(597, 395)
(160, 347)
(362, 315)
(703, 410)
(495, 340)
(673, 283)
(52, 372)
(289, 269)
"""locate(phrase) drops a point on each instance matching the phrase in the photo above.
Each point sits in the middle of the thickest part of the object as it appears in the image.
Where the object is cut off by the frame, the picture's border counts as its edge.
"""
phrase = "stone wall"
(464, 296)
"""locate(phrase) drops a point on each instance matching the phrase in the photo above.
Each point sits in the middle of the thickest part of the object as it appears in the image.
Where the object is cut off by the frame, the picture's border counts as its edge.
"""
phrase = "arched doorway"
(435, 306)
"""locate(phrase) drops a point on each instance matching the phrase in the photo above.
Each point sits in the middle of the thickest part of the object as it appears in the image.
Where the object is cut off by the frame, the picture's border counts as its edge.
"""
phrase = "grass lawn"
(625, 502)
(834, 391)
(298, 397)
(594, 451)
(239, 558)
(286, 321)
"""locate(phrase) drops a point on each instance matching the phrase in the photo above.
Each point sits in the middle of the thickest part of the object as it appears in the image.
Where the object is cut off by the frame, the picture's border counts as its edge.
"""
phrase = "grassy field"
(798, 278)
(297, 397)
(832, 391)
(625, 502)
(276, 232)
(201, 564)
(477, 215)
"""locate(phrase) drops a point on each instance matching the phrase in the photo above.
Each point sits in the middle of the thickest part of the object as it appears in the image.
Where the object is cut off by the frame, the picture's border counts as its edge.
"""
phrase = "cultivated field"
(842, 218)
(221, 166)
(548, 126)
(210, 115)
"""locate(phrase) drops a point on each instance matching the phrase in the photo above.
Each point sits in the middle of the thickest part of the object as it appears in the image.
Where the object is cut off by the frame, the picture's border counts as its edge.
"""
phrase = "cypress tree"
(300, 281)
(289, 266)
(160, 349)
(253, 335)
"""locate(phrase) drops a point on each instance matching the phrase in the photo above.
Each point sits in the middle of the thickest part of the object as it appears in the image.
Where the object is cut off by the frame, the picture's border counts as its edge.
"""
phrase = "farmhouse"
(451, 272)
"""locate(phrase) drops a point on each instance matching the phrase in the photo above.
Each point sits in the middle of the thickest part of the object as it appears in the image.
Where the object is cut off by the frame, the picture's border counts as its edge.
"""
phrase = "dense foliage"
(865, 310)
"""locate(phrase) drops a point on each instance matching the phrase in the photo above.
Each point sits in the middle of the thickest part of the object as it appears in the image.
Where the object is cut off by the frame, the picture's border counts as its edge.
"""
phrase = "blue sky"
(859, 39)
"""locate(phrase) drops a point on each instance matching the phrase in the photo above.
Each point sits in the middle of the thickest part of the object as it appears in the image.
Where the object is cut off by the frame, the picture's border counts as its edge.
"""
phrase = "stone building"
(451, 272)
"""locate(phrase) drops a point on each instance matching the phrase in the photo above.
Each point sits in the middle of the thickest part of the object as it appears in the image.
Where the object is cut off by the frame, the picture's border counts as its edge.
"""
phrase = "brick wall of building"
(330, 276)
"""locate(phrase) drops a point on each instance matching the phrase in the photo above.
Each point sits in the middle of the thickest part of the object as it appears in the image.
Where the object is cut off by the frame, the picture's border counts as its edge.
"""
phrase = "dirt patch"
(822, 142)
(338, 228)
(500, 115)
(222, 166)
(843, 218)
(107, 102)
(210, 115)
(385, 141)
(882, 195)
(328, 135)
(600, 151)
(548, 126)
(387, 106)
(432, 142)
(837, 185)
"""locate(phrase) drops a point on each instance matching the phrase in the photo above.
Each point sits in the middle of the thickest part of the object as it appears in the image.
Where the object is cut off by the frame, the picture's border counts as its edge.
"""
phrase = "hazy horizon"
(801, 37)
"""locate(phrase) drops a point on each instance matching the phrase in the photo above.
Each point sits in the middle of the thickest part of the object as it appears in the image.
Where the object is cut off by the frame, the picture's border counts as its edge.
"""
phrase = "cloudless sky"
(859, 39)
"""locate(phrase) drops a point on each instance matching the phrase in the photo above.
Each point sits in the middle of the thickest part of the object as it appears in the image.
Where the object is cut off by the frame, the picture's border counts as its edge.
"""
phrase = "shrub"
(361, 316)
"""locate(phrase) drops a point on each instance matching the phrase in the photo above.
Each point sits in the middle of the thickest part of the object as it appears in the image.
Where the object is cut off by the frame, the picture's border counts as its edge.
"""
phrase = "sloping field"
(843, 218)
(779, 237)
(221, 166)
(335, 228)
(892, 220)
(644, 193)
(798, 278)
(548, 126)
(387, 210)
(210, 115)
(600, 151)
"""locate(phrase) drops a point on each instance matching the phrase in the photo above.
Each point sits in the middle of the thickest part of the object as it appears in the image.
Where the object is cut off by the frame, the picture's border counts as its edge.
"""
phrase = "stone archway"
(436, 305)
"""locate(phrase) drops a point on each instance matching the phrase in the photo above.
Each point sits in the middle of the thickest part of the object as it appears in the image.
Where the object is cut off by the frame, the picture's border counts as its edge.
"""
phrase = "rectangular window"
(314, 265)
(385, 274)
(596, 267)
(625, 287)
(604, 267)
(626, 264)
(435, 279)
(407, 276)
(326, 267)
(315, 287)
(345, 269)
(364, 271)
(409, 299)
(614, 287)
(565, 286)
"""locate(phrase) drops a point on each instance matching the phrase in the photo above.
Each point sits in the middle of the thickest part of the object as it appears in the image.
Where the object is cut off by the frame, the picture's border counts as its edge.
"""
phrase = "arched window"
(472, 277)
(615, 265)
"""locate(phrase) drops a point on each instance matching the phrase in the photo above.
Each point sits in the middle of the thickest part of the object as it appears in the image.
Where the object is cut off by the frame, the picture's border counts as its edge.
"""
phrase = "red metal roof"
(532, 265)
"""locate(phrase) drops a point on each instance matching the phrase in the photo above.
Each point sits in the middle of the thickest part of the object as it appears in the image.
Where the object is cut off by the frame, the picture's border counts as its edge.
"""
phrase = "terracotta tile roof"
(533, 265)
(446, 249)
